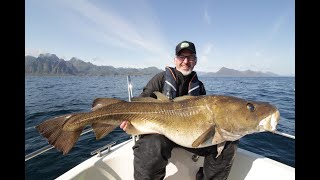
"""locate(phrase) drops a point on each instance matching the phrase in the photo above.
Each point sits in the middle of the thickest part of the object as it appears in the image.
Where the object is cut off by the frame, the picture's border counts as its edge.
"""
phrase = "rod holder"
(105, 149)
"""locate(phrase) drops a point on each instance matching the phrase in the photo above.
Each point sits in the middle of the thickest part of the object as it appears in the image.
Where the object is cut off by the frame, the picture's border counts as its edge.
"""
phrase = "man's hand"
(124, 125)
(128, 128)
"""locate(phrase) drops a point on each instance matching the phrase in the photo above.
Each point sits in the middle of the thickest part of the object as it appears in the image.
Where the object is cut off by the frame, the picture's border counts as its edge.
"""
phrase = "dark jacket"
(157, 83)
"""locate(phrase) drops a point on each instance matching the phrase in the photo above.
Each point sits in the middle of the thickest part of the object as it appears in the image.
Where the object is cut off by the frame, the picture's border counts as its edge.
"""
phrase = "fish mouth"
(270, 122)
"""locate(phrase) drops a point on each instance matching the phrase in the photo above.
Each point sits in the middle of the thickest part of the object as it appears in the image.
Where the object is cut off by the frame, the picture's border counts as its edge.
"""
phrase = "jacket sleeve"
(155, 84)
(202, 89)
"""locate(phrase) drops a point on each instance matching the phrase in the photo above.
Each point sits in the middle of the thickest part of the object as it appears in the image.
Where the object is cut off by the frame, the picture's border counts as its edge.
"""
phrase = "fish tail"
(53, 131)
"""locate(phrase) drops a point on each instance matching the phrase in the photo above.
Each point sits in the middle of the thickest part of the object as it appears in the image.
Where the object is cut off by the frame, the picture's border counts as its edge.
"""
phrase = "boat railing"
(48, 147)
(108, 146)
(285, 135)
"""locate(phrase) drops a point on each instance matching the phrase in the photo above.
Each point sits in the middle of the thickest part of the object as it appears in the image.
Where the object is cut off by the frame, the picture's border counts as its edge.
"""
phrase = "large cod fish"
(190, 121)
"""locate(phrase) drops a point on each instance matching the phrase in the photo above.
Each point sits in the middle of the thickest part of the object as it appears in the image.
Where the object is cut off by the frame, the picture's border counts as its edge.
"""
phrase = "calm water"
(47, 97)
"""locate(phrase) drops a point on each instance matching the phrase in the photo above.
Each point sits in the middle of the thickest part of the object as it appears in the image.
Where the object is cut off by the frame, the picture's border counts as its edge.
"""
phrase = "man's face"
(185, 61)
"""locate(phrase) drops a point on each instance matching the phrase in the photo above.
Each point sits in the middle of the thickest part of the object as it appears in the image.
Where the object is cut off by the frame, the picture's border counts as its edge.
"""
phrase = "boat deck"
(118, 164)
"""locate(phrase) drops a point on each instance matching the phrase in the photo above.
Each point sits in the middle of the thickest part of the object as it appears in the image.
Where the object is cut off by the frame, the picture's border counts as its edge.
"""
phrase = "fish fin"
(101, 129)
(52, 130)
(217, 138)
(181, 98)
(220, 147)
(161, 97)
(144, 99)
(130, 129)
(101, 102)
(204, 137)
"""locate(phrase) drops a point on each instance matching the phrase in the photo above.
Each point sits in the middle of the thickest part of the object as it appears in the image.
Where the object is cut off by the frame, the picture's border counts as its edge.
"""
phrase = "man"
(152, 151)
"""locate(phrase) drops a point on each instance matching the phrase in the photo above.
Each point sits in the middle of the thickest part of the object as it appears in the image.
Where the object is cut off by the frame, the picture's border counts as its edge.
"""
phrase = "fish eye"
(251, 107)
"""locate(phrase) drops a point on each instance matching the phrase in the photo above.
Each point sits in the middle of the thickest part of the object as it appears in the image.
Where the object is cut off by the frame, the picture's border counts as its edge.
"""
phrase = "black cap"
(185, 45)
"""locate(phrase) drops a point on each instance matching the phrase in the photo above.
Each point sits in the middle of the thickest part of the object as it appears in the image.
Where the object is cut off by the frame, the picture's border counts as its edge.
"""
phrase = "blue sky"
(239, 34)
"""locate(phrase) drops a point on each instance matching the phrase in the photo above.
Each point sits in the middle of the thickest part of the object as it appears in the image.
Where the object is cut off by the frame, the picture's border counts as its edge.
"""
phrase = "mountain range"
(50, 64)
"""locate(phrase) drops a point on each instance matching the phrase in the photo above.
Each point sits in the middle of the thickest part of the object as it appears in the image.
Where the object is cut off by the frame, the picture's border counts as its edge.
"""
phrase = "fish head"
(270, 122)
(241, 116)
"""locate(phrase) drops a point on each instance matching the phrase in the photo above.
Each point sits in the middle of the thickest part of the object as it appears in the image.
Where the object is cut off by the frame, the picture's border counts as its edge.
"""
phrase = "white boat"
(116, 163)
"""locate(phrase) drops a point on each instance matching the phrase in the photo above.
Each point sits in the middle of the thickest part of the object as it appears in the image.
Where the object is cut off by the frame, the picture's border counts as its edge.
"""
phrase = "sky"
(256, 35)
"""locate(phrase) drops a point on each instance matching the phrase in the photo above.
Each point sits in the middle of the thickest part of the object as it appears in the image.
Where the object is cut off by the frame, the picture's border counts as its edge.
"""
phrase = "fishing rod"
(134, 138)
(129, 88)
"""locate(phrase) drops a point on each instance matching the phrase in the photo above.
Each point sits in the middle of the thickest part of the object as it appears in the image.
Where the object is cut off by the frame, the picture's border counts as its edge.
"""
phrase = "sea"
(50, 96)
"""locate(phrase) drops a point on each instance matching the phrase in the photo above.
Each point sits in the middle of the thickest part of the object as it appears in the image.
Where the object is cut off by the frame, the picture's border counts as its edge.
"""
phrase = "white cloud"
(113, 29)
(258, 54)
(206, 17)
(34, 52)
